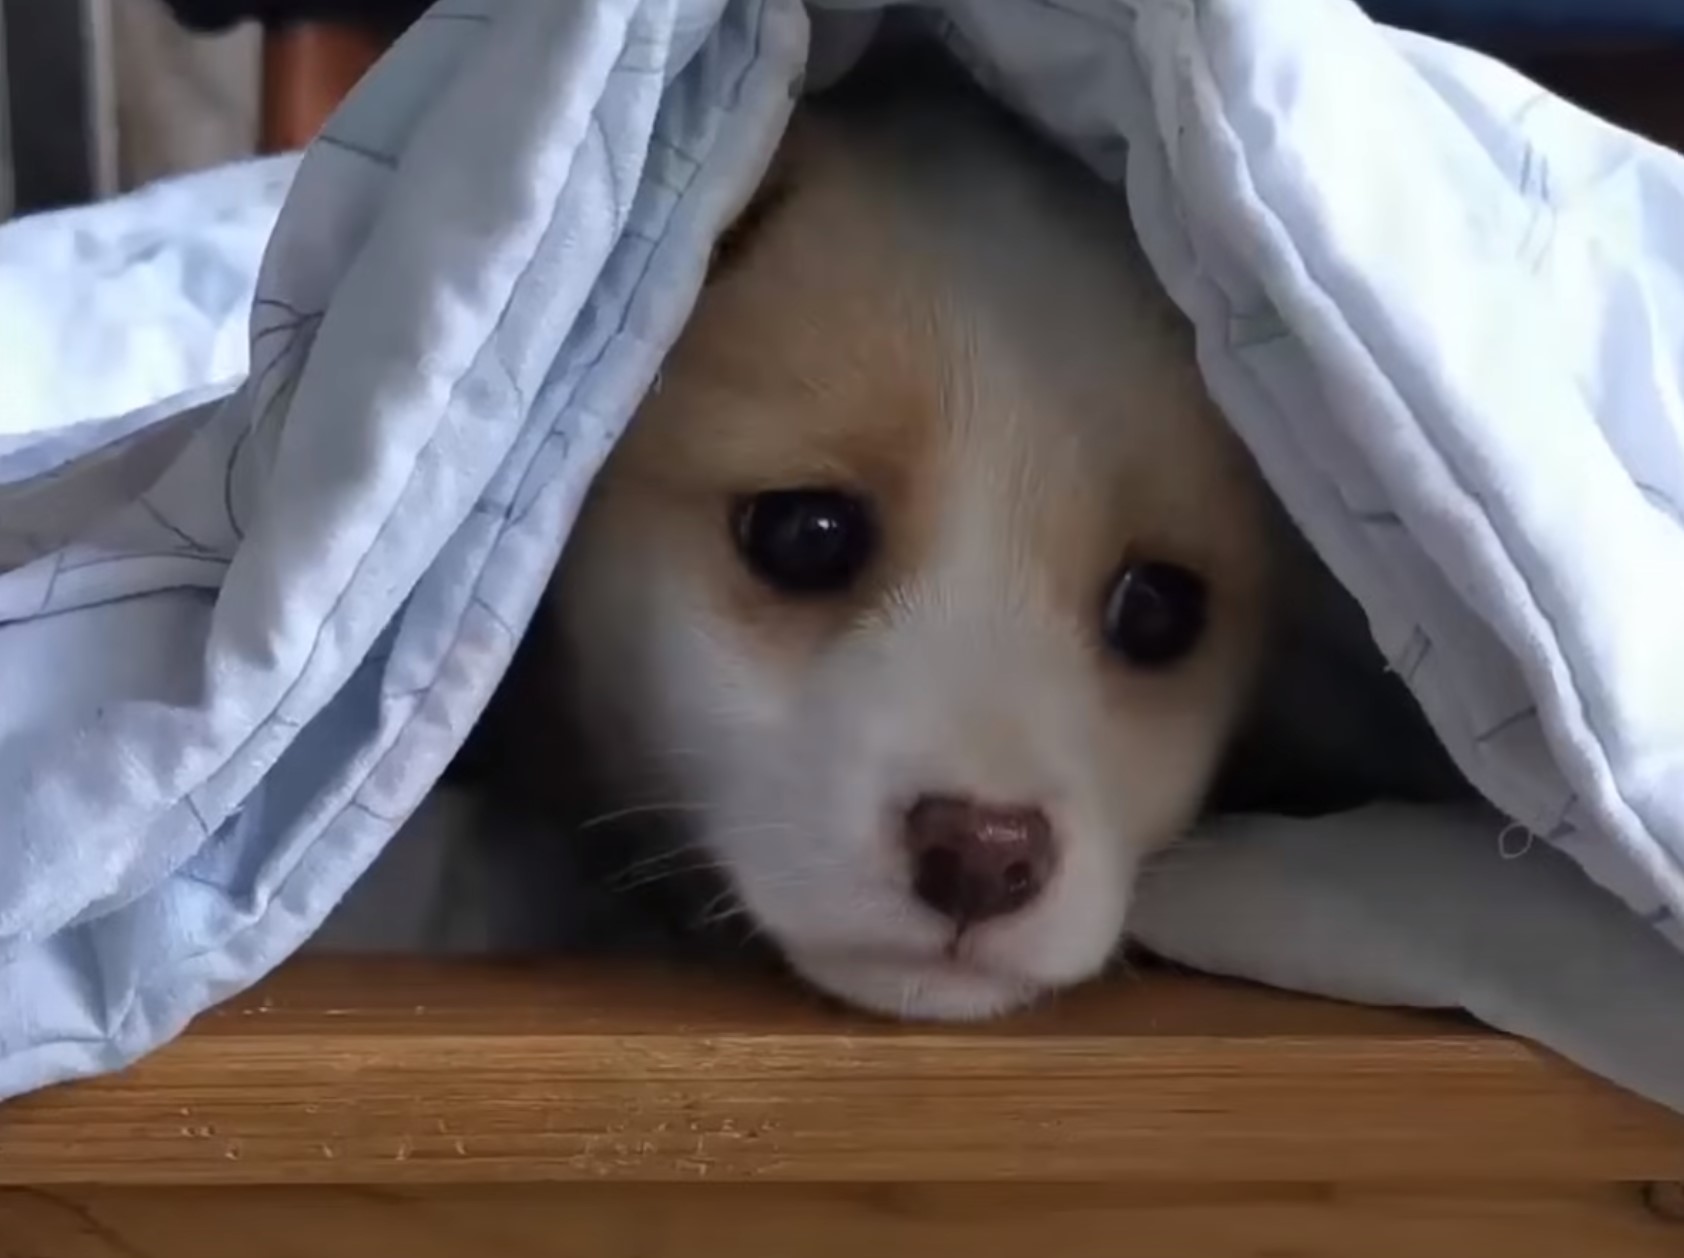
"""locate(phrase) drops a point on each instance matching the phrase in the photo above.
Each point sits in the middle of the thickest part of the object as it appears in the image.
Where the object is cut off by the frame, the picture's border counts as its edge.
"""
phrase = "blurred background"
(101, 95)
(97, 96)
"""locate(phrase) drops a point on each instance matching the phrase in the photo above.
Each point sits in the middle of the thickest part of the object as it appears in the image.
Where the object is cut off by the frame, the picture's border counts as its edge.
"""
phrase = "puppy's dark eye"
(806, 541)
(1155, 613)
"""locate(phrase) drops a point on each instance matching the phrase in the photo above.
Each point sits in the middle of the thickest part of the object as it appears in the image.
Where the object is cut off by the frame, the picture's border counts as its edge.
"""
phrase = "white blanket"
(1445, 310)
(108, 308)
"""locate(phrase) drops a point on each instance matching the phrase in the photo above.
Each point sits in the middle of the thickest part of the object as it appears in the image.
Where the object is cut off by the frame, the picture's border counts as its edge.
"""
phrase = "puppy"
(927, 587)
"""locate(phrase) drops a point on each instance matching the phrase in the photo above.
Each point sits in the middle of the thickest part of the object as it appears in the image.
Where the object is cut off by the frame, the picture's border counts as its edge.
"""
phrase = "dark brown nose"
(973, 861)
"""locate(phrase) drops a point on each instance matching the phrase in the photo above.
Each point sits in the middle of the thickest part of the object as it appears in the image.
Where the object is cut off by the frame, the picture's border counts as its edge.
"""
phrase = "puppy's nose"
(973, 861)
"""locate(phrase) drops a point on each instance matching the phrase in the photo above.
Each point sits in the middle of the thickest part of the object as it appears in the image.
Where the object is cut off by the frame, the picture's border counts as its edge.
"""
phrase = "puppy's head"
(927, 581)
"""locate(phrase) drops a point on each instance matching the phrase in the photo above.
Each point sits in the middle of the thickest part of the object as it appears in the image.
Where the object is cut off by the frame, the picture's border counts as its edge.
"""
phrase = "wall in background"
(97, 96)
(183, 101)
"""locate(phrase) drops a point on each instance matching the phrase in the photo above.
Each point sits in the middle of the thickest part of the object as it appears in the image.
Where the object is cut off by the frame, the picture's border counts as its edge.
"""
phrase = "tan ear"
(762, 206)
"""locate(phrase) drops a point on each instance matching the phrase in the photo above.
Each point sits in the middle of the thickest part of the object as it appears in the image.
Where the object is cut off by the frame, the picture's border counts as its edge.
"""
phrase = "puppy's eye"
(806, 541)
(1155, 613)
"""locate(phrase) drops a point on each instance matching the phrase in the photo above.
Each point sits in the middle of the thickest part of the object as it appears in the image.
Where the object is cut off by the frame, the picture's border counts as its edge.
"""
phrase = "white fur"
(794, 740)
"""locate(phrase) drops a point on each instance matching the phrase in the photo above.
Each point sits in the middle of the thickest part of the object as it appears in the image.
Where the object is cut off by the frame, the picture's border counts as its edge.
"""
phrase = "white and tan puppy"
(927, 585)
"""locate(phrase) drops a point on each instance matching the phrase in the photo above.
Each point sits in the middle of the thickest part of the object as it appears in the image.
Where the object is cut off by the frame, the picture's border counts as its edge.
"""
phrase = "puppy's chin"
(933, 990)
(988, 974)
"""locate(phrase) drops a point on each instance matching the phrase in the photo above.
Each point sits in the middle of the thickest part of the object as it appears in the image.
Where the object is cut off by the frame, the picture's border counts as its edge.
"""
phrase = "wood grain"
(394, 1073)
(742, 1221)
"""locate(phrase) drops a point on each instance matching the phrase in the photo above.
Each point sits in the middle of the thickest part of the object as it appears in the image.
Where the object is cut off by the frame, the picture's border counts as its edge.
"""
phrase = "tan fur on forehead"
(933, 349)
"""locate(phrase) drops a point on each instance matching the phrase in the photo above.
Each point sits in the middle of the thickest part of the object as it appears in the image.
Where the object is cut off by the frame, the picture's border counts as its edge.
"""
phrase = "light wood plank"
(375, 1073)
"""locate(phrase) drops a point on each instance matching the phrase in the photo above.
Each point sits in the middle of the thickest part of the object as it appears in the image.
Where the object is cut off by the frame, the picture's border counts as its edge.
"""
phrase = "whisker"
(660, 875)
(728, 894)
(728, 916)
(720, 909)
(750, 930)
(666, 856)
(636, 810)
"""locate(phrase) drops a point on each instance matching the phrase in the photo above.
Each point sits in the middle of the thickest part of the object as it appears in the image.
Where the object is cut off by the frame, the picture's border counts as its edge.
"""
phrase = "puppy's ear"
(739, 237)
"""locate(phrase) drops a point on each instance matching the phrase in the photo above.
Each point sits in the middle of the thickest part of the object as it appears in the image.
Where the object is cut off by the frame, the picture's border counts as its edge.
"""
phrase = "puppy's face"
(926, 583)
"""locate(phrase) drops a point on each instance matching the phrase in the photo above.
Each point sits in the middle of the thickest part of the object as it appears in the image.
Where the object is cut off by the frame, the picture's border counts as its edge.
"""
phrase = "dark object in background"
(308, 68)
(1620, 58)
(1484, 23)
(314, 52)
(1472, 21)
(48, 72)
(214, 14)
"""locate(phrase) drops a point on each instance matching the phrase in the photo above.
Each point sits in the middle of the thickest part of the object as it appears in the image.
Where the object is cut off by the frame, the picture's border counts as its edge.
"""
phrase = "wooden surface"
(1206, 1220)
(401, 1073)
